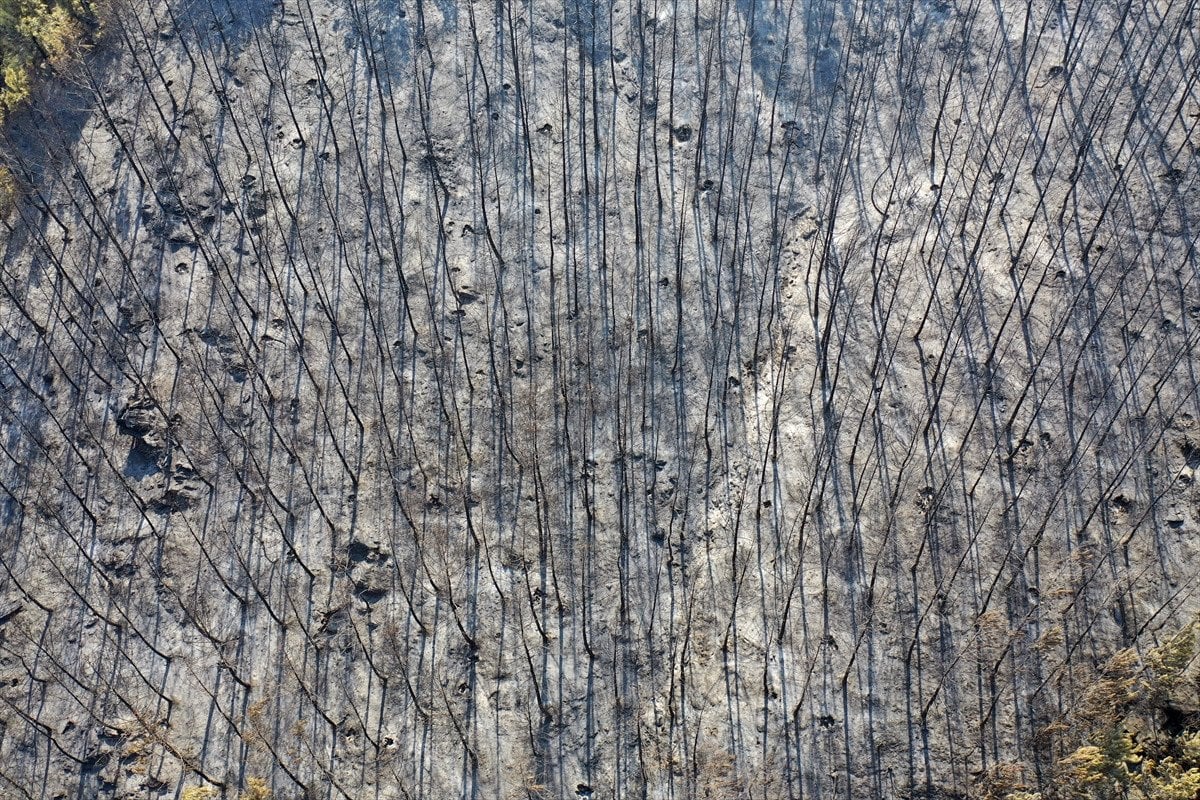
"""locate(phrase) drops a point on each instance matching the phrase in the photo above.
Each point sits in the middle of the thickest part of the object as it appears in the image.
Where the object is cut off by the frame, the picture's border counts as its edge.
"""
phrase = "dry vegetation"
(746, 399)
(37, 36)
(1141, 720)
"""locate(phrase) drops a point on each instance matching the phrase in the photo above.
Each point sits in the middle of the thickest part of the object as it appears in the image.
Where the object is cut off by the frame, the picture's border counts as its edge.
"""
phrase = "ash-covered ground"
(552, 399)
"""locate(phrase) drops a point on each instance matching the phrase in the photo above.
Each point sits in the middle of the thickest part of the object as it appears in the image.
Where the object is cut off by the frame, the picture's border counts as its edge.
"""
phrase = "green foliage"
(1142, 719)
(8, 189)
(1116, 690)
(1168, 664)
(37, 31)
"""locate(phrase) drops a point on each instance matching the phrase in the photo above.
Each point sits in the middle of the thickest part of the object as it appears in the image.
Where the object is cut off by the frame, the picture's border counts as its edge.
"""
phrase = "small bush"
(256, 789)
(8, 190)
(199, 793)
(56, 33)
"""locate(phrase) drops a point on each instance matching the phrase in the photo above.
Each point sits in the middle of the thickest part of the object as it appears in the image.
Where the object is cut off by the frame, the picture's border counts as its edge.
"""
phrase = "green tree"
(33, 32)
(1142, 718)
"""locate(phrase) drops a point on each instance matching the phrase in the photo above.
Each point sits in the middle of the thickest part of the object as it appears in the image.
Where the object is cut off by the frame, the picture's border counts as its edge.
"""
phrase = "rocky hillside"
(574, 399)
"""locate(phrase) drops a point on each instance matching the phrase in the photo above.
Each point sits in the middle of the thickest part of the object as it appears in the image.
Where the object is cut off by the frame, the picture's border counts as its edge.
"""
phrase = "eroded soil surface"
(726, 398)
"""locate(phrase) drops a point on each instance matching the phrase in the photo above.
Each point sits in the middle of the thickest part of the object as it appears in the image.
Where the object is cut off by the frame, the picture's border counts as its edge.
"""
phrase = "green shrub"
(1143, 723)
(8, 190)
(37, 31)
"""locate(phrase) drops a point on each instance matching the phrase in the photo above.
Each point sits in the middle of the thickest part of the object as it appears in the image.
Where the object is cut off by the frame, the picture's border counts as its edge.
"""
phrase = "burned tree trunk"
(550, 399)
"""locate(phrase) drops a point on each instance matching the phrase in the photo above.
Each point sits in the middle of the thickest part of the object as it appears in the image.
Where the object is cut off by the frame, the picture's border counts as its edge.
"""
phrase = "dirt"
(432, 399)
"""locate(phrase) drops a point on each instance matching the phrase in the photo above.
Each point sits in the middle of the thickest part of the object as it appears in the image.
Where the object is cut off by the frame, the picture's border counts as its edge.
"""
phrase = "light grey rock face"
(552, 399)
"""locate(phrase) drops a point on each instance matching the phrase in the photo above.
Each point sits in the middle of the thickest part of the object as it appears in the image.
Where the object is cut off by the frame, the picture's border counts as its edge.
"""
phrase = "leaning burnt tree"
(419, 398)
